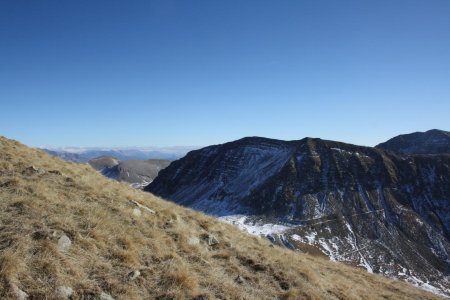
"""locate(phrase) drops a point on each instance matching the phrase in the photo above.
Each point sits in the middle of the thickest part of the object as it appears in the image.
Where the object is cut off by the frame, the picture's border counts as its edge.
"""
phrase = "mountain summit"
(385, 212)
(433, 141)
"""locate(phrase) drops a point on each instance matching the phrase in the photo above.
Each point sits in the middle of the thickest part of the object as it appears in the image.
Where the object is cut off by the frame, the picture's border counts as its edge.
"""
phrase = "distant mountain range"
(135, 165)
(382, 210)
(126, 153)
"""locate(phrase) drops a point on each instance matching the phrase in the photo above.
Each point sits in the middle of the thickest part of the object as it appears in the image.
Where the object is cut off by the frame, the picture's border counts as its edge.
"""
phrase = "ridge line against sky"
(166, 72)
(75, 149)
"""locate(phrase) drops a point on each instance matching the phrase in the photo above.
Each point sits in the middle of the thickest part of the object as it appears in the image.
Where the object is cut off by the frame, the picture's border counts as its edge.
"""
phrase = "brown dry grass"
(110, 240)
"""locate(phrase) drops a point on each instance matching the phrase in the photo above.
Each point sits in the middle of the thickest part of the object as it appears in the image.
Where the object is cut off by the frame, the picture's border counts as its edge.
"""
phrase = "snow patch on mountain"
(254, 227)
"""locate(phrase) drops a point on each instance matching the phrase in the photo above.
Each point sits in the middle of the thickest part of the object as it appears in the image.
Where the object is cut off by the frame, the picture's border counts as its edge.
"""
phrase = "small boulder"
(239, 279)
(64, 243)
(193, 241)
(133, 275)
(64, 292)
(18, 293)
(106, 296)
(210, 239)
(5, 244)
(137, 212)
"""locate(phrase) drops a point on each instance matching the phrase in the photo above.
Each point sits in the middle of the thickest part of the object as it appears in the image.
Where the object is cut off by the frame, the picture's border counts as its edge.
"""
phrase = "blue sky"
(124, 73)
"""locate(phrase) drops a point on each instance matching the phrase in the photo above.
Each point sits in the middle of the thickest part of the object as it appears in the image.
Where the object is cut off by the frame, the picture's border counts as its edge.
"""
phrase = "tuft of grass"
(290, 295)
(181, 279)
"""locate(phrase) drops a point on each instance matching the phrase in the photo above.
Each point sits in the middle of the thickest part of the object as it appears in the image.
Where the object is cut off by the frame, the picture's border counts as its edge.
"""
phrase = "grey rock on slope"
(430, 142)
(385, 212)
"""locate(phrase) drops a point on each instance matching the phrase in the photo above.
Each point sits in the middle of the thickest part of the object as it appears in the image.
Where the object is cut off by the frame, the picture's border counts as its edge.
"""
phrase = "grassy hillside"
(67, 230)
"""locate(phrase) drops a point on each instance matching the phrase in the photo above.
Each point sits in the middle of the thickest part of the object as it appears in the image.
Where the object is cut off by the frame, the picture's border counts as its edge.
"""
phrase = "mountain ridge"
(434, 141)
(375, 202)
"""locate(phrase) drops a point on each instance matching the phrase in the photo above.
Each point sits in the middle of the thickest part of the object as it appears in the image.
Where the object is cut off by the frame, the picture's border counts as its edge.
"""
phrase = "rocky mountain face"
(138, 173)
(385, 212)
(430, 142)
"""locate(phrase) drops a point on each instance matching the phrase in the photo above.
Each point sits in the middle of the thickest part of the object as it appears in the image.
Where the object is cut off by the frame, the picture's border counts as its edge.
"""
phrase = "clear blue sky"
(123, 73)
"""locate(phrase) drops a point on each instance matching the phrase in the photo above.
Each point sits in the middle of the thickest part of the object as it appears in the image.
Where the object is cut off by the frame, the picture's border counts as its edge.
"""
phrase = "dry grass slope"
(127, 252)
